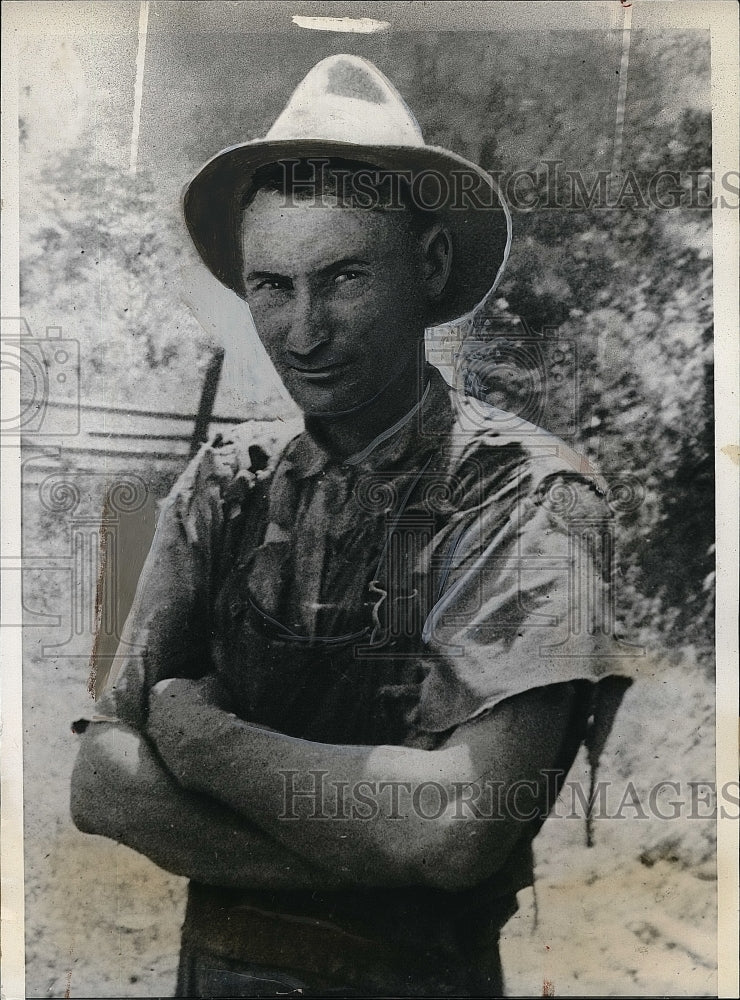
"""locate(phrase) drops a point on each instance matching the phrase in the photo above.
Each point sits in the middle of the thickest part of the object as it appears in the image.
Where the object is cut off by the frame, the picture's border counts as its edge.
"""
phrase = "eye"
(272, 285)
(345, 276)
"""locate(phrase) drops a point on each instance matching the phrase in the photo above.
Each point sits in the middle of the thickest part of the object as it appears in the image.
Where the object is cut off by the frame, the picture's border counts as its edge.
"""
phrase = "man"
(354, 674)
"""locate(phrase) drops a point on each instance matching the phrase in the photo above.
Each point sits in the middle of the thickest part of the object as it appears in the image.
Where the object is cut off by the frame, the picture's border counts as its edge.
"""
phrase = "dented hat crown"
(345, 108)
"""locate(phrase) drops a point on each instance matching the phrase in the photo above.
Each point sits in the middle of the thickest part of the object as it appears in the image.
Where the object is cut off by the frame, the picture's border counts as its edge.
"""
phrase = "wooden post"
(207, 399)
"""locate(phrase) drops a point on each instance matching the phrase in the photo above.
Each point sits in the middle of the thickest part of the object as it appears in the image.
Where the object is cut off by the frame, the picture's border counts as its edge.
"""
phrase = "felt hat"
(346, 108)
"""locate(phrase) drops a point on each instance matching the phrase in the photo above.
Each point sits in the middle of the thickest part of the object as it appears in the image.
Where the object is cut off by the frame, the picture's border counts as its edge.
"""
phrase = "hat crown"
(346, 108)
(344, 98)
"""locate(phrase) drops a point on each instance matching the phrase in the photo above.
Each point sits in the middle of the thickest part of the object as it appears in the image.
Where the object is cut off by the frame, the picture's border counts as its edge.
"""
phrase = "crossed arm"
(208, 796)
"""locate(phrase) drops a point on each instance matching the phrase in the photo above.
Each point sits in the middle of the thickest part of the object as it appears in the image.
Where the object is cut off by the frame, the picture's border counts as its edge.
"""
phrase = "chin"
(323, 401)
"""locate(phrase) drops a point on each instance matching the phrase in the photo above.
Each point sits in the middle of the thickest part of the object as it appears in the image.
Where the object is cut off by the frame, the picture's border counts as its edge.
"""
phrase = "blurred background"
(601, 330)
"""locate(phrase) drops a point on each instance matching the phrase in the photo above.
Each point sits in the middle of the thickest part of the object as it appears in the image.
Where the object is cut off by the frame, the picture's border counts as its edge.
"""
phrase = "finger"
(162, 686)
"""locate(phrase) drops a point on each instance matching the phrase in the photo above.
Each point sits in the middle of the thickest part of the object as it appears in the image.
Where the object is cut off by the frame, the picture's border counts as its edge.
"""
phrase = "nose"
(308, 328)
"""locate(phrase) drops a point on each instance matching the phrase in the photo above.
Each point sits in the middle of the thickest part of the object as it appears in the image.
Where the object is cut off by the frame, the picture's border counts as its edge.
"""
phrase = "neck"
(345, 434)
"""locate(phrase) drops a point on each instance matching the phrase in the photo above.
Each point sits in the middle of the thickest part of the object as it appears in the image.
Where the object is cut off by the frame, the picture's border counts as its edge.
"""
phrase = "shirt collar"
(403, 443)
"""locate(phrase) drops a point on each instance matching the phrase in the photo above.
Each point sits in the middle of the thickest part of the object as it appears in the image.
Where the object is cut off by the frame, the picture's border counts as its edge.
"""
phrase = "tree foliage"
(101, 260)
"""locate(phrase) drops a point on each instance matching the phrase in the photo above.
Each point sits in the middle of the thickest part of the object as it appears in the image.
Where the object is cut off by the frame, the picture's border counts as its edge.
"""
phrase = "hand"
(184, 716)
(124, 696)
(206, 690)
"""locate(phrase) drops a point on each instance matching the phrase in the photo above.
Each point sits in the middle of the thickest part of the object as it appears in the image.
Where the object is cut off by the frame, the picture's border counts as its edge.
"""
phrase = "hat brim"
(473, 210)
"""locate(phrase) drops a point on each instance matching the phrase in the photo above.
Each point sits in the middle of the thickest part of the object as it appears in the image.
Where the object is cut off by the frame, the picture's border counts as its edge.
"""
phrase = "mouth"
(325, 373)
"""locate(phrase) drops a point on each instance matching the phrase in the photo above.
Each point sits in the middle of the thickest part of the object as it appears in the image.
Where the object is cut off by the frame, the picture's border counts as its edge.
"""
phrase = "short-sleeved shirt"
(460, 559)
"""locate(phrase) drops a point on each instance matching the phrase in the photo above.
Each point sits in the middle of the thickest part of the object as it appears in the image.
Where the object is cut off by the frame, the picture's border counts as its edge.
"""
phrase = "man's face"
(337, 295)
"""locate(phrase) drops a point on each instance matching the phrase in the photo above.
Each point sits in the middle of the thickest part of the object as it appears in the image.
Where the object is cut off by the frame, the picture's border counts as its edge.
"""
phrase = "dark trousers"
(201, 975)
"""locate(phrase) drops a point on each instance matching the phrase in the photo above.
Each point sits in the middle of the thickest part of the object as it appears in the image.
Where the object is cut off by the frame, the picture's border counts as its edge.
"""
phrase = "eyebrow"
(335, 266)
(262, 275)
(344, 262)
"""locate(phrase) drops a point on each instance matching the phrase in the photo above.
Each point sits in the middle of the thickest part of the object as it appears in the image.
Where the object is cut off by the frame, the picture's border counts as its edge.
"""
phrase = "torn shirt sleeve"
(527, 603)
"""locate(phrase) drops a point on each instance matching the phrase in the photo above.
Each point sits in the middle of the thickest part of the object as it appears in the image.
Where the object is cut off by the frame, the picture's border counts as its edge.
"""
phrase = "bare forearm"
(348, 809)
(127, 795)
(423, 835)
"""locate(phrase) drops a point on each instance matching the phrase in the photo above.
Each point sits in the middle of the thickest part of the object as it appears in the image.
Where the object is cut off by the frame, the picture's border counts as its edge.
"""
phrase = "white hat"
(345, 108)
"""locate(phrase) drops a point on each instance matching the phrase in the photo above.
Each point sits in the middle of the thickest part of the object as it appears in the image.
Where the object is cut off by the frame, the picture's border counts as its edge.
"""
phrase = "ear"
(437, 252)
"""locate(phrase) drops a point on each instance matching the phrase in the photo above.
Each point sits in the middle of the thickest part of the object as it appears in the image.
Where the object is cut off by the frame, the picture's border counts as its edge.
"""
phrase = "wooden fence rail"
(123, 439)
